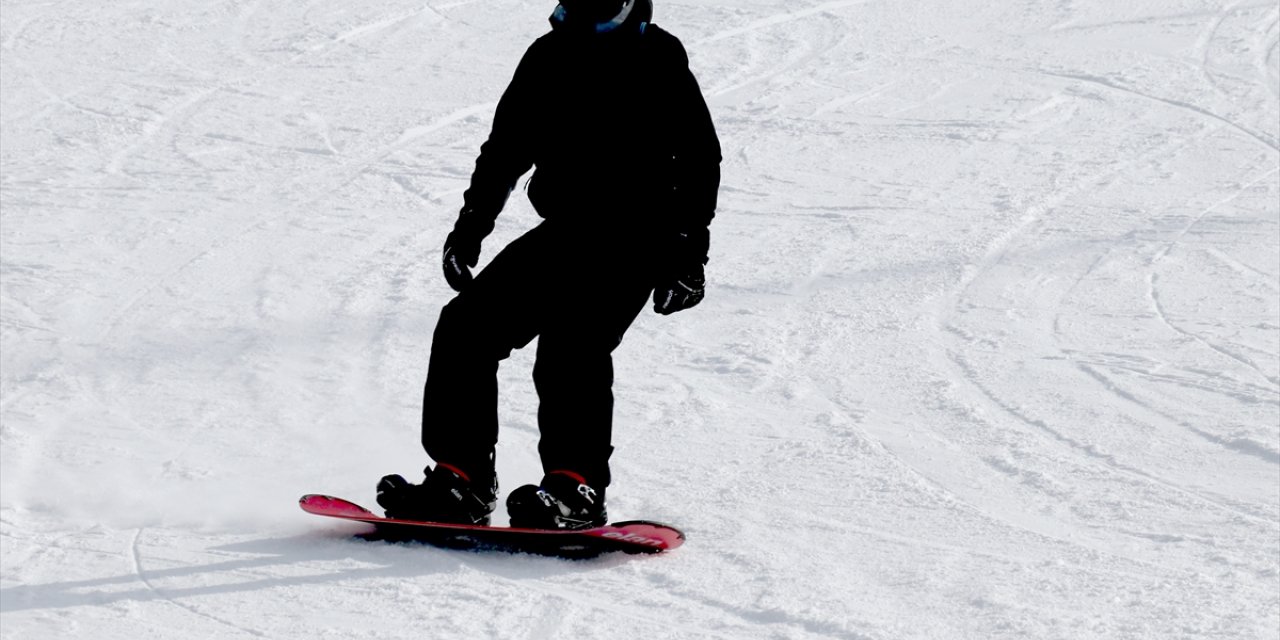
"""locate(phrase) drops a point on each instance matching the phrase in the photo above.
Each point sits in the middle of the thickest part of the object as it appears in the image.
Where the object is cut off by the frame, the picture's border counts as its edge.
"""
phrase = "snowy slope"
(991, 349)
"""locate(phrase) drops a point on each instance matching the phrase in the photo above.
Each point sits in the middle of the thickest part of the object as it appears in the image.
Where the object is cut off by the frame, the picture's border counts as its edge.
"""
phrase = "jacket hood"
(633, 18)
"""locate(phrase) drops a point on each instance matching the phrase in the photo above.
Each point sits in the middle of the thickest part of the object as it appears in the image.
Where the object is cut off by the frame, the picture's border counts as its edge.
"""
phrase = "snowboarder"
(627, 166)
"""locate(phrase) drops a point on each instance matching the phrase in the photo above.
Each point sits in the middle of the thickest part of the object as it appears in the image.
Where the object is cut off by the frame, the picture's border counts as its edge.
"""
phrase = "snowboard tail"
(634, 536)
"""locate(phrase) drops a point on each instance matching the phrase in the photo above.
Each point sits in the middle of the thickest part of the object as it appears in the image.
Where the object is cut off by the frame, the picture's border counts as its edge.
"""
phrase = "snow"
(991, 347)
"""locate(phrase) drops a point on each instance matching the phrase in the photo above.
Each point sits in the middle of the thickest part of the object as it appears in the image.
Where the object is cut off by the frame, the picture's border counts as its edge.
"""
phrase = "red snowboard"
(635, 536)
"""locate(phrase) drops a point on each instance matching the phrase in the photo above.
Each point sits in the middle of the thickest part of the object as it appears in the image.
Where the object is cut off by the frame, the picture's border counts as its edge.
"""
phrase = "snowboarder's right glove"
(462, 247)
(682, 283)
(680, 293)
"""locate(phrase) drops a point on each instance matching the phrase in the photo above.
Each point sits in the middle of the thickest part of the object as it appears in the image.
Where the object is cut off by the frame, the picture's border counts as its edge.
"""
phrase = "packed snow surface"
(991, 347)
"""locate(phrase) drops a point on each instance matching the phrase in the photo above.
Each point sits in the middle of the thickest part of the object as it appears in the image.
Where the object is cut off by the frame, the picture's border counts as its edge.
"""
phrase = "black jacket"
(618, 131)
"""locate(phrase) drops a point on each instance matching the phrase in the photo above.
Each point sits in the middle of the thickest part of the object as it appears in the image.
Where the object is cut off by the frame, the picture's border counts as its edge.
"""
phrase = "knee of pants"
(572, 367)
(468, 329)
(460, 313)
(460, 327)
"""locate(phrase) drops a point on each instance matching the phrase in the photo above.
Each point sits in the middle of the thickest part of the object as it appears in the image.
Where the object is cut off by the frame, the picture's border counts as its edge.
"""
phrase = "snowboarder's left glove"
(462, 247)
(458, 260)
(680, 293)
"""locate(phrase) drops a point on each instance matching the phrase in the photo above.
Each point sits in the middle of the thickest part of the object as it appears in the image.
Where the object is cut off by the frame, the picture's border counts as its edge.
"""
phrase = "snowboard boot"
(563, 501)
(445, 495)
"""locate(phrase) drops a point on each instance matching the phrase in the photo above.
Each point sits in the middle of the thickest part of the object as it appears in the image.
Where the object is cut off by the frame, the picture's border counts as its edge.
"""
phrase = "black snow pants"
(577, 290)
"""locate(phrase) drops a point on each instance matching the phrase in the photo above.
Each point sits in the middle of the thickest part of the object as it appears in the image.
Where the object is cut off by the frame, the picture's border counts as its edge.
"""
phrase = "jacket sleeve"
(696, 163)
(506, 155)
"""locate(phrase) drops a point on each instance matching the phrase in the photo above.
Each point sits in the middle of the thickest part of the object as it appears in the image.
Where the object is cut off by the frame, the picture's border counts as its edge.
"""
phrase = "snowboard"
(633, 536)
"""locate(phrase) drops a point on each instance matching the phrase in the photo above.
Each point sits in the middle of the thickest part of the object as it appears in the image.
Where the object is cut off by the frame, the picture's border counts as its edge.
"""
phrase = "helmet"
(600, 16)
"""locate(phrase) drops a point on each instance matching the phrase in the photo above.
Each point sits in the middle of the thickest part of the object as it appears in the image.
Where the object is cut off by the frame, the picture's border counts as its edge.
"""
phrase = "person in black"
(627, 167)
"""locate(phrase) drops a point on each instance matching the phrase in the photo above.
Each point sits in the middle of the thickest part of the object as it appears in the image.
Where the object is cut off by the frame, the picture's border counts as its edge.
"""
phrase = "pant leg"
(574, 369)
(478, 329)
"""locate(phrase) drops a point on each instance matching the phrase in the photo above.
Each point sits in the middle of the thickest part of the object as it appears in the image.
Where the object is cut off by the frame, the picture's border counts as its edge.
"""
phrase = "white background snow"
(991, 347)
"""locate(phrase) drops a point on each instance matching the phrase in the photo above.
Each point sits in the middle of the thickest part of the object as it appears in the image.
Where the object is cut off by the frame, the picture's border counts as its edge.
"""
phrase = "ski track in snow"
(991, 347)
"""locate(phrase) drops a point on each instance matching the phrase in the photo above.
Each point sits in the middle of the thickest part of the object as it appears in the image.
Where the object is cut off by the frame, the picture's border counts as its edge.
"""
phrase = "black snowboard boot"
(445, 495)
(563, 501)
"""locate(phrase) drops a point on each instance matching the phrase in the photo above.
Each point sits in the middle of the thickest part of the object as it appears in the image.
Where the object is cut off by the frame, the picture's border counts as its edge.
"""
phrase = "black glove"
(459, 257)
(681, 292)
(682, 283)
(462, 247)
